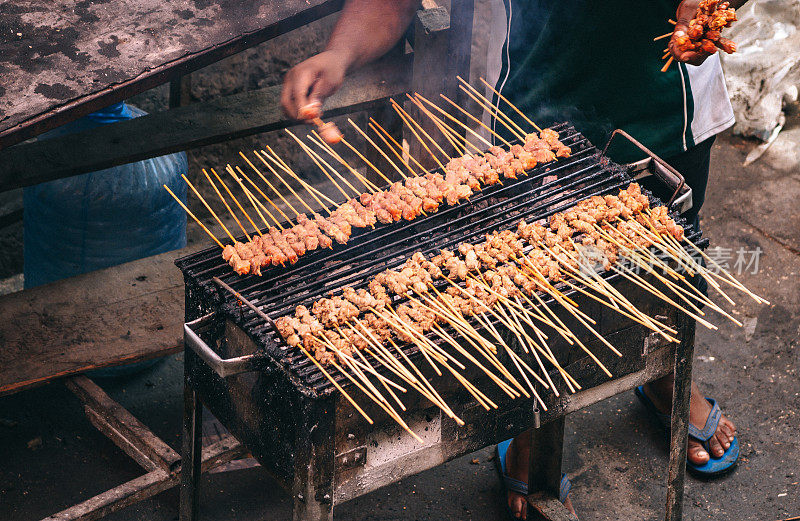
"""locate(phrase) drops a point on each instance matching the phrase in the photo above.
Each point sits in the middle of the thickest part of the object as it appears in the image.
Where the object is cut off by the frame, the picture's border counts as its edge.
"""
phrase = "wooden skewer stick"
(249, 196)
(229, 169)
(569, 308)
(398, 146)
(368, 185)
(562, 329)
(549, 384)
(647, 268)
(428, 385)
(275, 190)
(398, 155)
(450, 340)
(514, 317)
(417, 136)
(666, 65)
(425, 346)
(526, 118)
(493, 110)
(419, 383)
(235, 200)
(476, 120)
(412, 125)
(394, 366)
(315, 158)
(380, 150)
(728, 277)
(448, 132)
(379, 400)
(188, 211)
(280, 178)
(519, 134)
(272, 156)
(317, 140)
(496, 107)
(424, 133)
(207, 206)
(516, 360)
(368, 162)
(441, 353)
(353, 365)
(403, 329)
(673, 22)
(593, 279)
(646, 258)
(219, 194)
(338, 387)
(365, 365)
(667, 35)
(253, 202)
(664, 57)
(456, 120)
(264, 208)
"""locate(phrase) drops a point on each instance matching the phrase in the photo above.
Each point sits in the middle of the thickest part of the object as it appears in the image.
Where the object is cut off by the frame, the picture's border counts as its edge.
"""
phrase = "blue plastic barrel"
(104, 218)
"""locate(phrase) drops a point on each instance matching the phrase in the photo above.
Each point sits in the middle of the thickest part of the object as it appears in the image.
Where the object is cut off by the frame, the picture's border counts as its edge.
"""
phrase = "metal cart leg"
(313, 486)
(191, 452)
(544, 476)
(681, 393)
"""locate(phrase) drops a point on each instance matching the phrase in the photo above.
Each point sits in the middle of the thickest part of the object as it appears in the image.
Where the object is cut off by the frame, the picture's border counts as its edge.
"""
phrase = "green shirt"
(595, 64)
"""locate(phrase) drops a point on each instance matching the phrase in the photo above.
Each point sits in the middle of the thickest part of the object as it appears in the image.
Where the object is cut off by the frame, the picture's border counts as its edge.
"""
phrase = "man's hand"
(366, 30)
(686, 11)
(313, 80)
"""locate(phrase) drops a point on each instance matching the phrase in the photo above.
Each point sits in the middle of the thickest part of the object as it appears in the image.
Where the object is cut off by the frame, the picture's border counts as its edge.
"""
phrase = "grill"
(292, 419)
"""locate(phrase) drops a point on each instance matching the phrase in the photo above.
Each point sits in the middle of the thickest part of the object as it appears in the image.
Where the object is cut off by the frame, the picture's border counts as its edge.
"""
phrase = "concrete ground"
(51, 457)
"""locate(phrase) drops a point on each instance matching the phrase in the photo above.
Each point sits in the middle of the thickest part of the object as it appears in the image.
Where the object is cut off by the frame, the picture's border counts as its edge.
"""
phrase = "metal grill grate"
(545, 190)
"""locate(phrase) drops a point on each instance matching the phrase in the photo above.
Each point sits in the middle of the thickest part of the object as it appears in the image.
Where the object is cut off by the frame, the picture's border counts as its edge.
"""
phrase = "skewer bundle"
(506, 279)
(417, 194)
(704, 34)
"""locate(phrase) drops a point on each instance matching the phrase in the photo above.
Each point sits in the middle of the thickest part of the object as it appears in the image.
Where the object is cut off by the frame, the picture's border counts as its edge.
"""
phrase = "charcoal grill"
(302, 431)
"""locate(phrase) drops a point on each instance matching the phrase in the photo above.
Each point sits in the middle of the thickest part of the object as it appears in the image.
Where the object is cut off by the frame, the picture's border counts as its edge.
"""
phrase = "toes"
(728, 428)
(722, 439)
(697, 454)
(517, 505)
(715, 447)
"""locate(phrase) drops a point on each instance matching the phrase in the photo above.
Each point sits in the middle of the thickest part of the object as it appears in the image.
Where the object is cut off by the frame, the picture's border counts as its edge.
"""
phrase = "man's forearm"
(367, 29)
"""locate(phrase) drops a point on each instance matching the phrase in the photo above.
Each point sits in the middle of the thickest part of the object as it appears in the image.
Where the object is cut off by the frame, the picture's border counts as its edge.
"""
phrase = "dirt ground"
(616, 457)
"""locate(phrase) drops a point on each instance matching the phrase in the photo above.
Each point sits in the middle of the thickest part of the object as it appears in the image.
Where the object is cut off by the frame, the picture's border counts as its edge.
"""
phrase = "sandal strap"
(712, 422)
(520, 487)
(515, 485)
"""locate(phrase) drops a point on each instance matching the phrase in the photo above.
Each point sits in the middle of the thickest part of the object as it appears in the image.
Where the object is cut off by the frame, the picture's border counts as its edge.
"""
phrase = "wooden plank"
(550, 508)
(65, 59)
(119, 315)
(186, 127)
(127, 432)
(145, 486)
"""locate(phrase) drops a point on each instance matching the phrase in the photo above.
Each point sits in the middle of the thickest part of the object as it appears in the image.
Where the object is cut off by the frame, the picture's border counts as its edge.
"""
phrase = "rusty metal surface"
(61, 60)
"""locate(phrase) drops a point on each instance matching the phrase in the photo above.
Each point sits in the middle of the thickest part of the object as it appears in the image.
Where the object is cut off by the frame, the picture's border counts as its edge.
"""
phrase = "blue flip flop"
(714, 466)
(520, 487)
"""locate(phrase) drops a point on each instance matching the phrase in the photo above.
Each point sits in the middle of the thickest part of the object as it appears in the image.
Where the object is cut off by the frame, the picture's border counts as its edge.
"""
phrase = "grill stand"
(317, 457)
(547, 442)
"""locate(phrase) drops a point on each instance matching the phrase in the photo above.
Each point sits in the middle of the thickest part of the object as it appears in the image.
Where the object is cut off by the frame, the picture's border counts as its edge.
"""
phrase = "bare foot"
(517, 464)
(660, 393)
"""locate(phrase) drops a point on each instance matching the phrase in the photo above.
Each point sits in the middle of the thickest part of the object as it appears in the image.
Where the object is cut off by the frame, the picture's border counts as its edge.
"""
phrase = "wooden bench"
(117, 316)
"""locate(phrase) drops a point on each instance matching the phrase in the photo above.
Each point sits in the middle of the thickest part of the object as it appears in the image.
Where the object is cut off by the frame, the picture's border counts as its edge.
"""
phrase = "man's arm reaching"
(366, 30)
